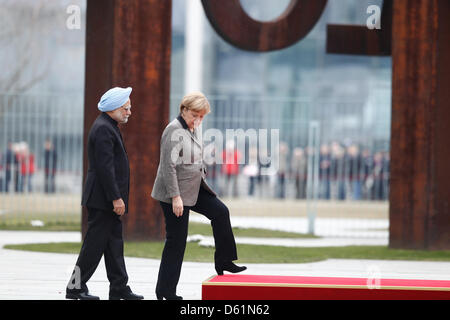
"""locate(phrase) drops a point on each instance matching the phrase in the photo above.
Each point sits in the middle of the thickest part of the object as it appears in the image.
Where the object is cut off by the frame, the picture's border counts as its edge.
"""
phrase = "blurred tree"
(24, 29)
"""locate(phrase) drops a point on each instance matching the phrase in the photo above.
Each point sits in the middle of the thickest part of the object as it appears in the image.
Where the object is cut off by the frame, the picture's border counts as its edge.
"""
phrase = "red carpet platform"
(255, 287)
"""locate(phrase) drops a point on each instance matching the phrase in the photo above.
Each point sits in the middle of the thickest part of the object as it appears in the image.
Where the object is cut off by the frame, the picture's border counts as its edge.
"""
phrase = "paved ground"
(32, 275)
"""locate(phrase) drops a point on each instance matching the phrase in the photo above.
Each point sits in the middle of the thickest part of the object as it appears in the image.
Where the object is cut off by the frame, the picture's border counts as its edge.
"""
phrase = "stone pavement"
(43, 276)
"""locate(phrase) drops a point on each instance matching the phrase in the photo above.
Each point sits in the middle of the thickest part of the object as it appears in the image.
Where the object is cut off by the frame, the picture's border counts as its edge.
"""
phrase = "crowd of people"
(344, 172)
(351, 172)
(18, 166)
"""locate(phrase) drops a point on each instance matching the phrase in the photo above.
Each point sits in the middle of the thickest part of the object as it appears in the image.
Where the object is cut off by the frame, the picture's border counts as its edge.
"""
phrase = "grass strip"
(256, 253)
(194, 228)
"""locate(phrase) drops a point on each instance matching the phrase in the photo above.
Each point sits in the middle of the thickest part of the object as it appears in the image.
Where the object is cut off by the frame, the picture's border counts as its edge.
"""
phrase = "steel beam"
(420, 155)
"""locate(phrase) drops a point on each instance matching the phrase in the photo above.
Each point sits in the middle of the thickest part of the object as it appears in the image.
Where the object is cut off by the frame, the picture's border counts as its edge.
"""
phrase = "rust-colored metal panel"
(233, 24)
(420, 157)
(360, 40)
(128, 43)
(98, 60)
(439, 220)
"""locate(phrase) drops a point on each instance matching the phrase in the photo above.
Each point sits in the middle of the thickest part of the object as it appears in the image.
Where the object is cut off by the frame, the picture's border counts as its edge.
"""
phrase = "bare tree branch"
(29, 61)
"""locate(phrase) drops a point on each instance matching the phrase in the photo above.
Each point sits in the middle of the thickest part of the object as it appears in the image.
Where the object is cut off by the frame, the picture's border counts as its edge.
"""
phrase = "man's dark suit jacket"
(108, 176)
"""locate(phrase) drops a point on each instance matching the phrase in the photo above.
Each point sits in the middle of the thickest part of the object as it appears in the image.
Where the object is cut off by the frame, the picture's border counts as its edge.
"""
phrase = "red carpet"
(254, 287)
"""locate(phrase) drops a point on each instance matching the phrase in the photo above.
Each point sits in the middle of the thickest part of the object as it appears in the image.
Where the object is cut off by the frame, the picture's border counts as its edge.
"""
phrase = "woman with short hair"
(180, 186)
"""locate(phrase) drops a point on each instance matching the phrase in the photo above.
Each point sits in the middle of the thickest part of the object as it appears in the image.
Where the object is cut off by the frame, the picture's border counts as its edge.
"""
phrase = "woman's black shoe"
(173, 296)
(230, 267)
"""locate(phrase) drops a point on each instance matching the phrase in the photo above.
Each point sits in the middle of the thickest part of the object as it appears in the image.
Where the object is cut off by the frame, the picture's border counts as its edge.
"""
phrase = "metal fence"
(332, 177)
(41, 158)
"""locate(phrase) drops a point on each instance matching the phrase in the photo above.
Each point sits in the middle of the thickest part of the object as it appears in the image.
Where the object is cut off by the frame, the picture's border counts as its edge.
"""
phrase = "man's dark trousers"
(103, 237)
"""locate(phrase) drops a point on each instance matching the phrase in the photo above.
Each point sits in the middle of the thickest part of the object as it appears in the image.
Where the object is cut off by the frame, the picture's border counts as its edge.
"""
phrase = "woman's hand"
(177, 206)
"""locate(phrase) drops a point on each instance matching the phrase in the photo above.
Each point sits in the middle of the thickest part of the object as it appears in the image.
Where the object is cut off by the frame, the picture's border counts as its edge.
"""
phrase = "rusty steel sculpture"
(130, 45)
(232, 23)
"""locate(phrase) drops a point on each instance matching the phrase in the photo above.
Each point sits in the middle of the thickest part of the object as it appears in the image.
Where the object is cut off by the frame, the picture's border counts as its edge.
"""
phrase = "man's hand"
(177, 206)
(119, 206)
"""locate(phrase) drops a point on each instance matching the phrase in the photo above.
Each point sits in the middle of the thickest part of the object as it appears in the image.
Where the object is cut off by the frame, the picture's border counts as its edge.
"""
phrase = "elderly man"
(106, 197)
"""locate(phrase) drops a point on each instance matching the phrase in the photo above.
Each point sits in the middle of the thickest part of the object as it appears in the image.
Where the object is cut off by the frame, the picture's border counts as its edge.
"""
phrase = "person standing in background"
(50, 161)
(282, 171)
(28, 168)
(230, 168)
(8, 164)
(19, 164)
(325, 171)
(299, 164)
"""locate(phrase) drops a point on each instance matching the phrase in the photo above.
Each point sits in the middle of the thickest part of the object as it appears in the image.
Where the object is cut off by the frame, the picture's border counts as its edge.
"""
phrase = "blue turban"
(114, 98)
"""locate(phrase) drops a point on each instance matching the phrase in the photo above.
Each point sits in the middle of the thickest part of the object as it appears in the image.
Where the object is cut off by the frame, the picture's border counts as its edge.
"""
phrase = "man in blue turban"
(105, 195)
(116, 103)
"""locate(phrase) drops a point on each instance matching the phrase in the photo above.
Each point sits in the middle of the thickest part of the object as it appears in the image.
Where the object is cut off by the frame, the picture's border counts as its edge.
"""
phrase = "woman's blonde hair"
(195, 101)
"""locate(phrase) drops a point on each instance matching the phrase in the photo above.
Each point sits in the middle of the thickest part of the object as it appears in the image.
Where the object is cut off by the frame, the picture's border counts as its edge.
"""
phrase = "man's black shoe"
(125, 294)
(81, 296)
